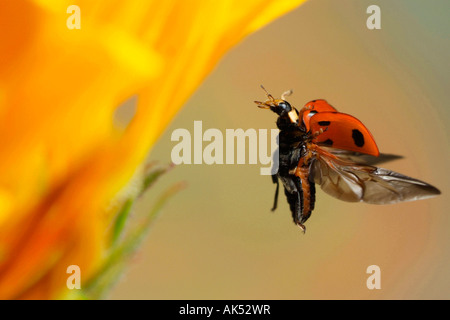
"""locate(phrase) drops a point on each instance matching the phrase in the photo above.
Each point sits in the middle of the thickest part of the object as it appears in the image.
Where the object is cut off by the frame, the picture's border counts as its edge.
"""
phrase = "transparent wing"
(362, 158)
(349, 181)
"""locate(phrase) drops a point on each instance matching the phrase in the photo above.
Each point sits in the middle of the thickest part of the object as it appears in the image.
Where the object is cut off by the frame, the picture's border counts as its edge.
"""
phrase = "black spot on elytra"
(328, 142)
(358, 137)
(324, 123)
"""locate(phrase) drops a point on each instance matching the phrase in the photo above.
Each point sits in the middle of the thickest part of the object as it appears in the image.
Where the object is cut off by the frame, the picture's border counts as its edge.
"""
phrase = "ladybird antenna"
(268, 94)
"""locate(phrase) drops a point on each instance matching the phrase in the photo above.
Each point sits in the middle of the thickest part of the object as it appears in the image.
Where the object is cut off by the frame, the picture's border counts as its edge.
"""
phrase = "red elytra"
(340, 130)
(313, 107)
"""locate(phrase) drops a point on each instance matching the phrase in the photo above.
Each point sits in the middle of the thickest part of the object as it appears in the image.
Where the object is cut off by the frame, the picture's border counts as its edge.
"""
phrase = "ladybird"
(319, 145)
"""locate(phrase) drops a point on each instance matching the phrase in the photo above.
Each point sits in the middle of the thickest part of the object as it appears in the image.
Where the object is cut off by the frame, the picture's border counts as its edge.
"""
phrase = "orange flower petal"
(62, 160)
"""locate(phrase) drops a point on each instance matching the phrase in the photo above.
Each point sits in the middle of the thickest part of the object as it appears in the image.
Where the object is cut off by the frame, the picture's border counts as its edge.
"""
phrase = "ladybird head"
(280, 106)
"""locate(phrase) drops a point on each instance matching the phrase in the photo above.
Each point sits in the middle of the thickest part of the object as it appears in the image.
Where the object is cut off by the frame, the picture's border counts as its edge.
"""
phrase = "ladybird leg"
(311, 136)
(286, 94)
(302, 227)
(297, 205)
(275, 201)
(295, 200)
(298, 213)
(318, 133)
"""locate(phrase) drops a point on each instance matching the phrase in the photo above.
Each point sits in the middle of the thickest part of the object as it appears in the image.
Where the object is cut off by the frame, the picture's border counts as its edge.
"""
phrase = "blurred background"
(218, 239)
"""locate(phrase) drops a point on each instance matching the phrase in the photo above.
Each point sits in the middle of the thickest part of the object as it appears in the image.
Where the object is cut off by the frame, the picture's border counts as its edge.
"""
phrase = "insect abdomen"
(308, 191)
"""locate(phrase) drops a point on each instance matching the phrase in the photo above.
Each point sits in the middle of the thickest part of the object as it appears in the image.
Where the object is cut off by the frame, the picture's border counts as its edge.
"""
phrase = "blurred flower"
(62, 159)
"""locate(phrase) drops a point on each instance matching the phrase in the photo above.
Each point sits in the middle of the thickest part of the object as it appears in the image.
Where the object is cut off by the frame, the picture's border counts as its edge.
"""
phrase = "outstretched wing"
(362, 158)
(348, 181)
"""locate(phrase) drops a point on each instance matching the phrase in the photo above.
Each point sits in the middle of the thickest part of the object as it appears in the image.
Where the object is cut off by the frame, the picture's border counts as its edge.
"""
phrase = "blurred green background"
(217, 239)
